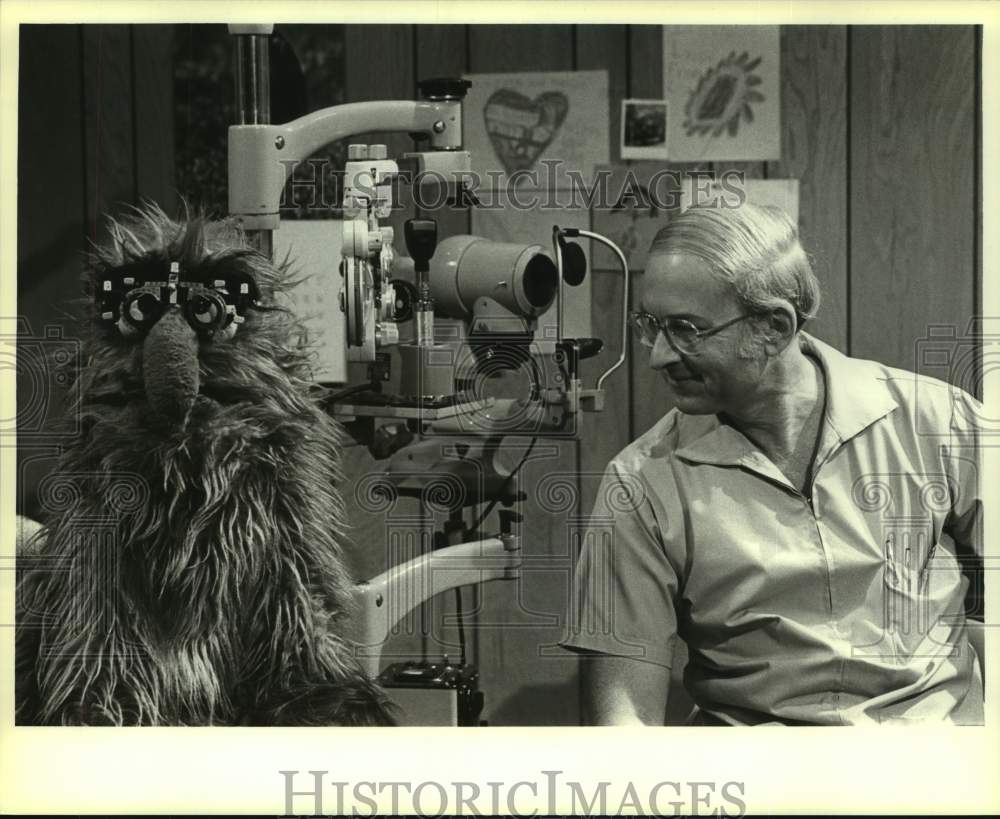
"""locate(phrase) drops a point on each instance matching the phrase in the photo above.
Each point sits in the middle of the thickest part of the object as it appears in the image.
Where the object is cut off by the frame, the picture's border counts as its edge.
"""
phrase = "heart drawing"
(520, 128)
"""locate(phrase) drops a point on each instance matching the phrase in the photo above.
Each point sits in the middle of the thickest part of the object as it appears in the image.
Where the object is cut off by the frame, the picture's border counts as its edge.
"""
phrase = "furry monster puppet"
(191, 572)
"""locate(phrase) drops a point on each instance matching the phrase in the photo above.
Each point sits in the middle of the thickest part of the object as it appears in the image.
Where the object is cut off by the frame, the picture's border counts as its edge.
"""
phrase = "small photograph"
(644, 129)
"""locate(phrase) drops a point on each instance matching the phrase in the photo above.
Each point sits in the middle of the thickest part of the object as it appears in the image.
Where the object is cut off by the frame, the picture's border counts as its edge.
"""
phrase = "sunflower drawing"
(724, 95)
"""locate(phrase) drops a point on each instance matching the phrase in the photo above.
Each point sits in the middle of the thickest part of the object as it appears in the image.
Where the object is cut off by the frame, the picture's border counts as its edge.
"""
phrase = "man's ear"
(780, 326)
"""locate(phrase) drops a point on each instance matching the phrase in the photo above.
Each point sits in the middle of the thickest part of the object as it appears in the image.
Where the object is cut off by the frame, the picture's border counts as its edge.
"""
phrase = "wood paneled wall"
(879, 124)
(95, 134)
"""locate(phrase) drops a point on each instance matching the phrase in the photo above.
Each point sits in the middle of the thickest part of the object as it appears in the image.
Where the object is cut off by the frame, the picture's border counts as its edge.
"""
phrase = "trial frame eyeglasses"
(680, 333)
(133, 303)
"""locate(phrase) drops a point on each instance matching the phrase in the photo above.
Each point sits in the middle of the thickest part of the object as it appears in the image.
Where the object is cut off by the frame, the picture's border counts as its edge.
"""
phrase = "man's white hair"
(754, 249)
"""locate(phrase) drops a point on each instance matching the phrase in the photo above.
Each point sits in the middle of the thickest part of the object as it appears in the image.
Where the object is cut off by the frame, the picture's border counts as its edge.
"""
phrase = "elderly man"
(797, 518)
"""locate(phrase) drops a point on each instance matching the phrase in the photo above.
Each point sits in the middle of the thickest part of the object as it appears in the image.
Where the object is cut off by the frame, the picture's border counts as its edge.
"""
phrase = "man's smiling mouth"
(678, 377)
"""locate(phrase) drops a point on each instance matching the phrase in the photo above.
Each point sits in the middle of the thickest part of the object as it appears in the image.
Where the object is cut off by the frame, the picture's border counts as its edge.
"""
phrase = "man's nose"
(662, 353)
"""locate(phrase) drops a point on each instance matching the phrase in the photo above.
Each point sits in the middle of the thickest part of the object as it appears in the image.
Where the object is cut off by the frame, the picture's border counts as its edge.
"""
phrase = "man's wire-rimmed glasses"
(680, 333)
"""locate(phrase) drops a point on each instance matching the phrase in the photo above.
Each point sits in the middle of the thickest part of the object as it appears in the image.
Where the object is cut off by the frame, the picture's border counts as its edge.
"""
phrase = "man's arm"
(621, 691)
(964, 464)
(965, 521)
(621, 617)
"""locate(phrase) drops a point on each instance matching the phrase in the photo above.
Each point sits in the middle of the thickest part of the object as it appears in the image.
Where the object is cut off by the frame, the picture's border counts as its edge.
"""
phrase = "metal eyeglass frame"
(662, 324)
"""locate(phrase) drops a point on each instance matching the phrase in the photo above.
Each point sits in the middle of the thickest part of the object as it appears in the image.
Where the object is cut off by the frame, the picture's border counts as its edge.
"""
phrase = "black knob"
(444, 88)
(589, 347)
(421, 239)
(406, 297)
(509, 519)
(389, 439)
(578, 349)
(574, 261)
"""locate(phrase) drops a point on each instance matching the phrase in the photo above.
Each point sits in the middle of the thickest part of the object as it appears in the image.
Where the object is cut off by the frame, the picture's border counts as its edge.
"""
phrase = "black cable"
(347, 392)
(503, 488)
(460, 619)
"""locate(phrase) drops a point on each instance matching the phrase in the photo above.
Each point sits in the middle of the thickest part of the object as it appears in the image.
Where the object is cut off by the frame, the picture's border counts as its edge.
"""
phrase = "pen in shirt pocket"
(925, 568)
(892, 567)
(907, 567)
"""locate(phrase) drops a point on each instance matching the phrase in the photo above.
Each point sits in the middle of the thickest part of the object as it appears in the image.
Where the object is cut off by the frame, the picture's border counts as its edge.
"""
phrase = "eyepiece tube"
(466, 269)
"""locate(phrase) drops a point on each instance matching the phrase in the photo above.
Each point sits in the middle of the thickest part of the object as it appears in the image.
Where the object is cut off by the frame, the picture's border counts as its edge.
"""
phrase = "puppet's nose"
(170, 367)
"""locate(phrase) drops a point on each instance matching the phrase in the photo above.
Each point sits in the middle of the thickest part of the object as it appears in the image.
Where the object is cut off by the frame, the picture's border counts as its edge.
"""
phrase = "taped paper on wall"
(723, 85)
(635, 202)
(516, 124)
(731, 193)
(313, 248)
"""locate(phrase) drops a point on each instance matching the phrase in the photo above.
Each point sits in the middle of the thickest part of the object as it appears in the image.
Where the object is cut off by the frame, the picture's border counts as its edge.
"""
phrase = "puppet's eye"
(142, 309)
(207, 313)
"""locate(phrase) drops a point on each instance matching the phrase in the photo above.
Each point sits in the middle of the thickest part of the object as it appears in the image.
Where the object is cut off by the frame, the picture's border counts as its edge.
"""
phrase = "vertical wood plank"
(606, 433)
(750, 170)
(51, 213)
(154, 114)
(379, 65)
(519, 674)
(50, 157)
(109, 146)
(51, 233)
(645, 69)
(520, 48)
(814, 151)
(606, 47)
(646, 82)
(912, 192)
(441, 52)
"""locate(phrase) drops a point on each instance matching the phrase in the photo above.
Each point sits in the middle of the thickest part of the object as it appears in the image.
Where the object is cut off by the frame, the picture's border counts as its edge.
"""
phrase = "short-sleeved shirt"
(846, 609)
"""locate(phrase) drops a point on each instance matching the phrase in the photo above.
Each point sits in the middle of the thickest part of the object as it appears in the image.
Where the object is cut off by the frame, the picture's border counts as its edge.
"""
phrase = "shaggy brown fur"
(191, 572)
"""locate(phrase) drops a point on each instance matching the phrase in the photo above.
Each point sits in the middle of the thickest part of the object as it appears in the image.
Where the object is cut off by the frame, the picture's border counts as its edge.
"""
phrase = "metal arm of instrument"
(382, 602)
(261, 157)
(587, 234)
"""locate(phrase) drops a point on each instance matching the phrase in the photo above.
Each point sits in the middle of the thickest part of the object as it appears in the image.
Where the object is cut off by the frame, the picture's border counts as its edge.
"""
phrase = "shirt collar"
(856, 391)
(856, 397)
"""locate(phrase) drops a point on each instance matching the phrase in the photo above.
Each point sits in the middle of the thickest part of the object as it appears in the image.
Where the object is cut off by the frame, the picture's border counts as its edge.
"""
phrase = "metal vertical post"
(253, 95)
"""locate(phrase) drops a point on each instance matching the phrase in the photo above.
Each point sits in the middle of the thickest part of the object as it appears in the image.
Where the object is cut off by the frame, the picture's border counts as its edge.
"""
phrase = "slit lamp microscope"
(472, 306)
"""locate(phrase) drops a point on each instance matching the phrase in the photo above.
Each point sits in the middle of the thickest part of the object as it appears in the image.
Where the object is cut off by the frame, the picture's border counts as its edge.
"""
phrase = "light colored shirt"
(846, 610)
